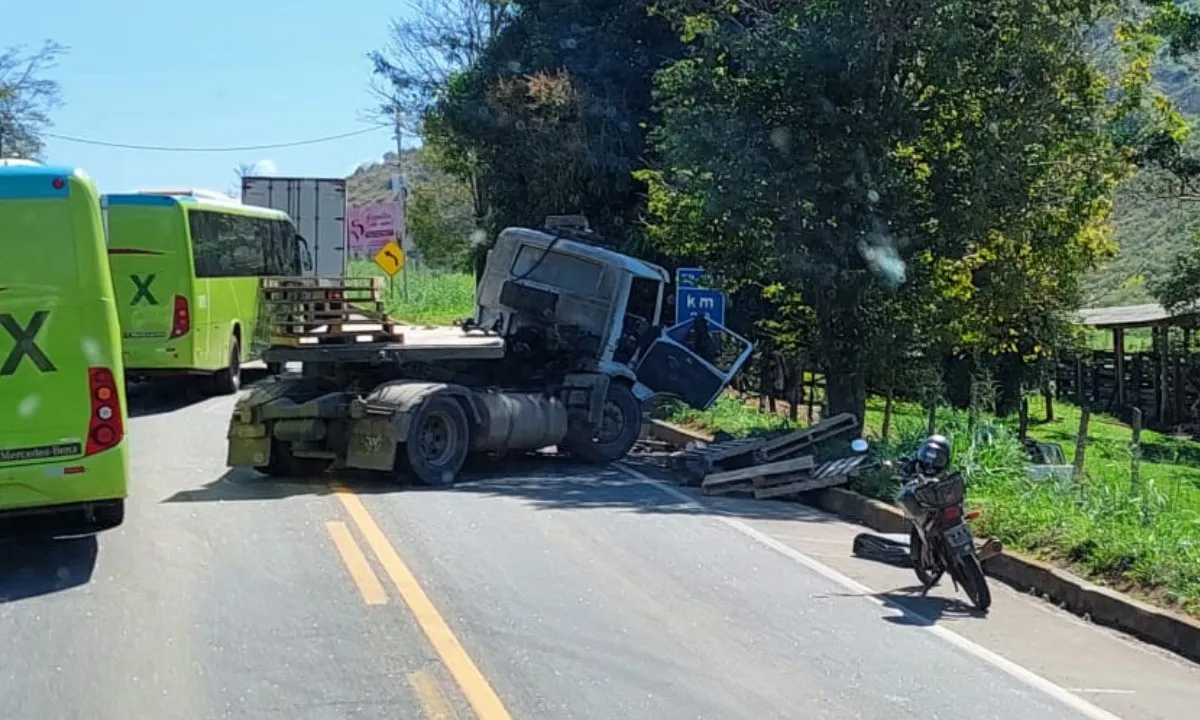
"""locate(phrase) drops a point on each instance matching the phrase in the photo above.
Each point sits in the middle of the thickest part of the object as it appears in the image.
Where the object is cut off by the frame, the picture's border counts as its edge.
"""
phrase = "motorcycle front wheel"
(927, 575)
(974, 582)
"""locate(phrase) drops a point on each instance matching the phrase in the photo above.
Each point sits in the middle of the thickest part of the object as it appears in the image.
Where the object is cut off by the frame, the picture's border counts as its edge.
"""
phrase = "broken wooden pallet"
(800, 441)
(826, 475)
(784, 478)
(699, 462)
(757, 476)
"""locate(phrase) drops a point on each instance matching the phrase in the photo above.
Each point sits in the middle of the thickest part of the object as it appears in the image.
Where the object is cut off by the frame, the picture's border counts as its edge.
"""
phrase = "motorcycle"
(940, 540)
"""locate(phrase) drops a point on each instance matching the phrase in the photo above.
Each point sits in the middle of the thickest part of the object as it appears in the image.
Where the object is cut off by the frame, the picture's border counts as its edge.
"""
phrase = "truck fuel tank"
(518, 421)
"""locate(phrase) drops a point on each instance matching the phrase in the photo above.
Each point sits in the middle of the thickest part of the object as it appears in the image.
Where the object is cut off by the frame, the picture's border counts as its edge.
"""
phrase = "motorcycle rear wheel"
(926, 575)
(974, 582)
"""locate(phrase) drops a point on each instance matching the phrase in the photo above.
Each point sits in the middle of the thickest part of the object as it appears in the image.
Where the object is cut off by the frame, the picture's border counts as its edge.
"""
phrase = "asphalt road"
(548, 591)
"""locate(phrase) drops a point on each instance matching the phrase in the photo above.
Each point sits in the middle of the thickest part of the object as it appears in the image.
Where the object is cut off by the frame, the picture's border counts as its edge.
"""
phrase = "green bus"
(186, 266)
(63, 451)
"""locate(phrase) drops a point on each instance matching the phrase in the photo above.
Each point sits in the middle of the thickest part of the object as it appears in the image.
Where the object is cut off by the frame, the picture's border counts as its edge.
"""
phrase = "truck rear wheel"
(618, 431)
(439, 437)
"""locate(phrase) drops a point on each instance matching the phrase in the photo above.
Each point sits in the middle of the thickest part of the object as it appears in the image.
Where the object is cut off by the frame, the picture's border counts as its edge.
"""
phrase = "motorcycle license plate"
(958, 536)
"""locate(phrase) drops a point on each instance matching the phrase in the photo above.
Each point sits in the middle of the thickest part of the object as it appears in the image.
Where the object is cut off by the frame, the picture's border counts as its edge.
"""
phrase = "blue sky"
(219, 73)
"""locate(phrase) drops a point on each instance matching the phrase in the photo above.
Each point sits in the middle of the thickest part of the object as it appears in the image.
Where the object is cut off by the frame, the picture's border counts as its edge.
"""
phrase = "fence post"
(886, 430)
(1135, 452)
(1023, 420)
(1048, 397)
(1081, 440)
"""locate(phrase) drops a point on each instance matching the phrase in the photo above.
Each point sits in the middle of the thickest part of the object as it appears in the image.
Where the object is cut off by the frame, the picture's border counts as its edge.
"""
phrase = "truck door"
(694, 361)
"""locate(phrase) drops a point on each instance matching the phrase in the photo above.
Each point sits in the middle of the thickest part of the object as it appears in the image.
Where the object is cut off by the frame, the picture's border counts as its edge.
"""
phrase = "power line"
(243, 148)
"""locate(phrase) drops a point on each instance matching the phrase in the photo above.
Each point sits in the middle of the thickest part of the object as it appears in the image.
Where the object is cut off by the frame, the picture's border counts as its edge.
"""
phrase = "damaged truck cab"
(565, 349)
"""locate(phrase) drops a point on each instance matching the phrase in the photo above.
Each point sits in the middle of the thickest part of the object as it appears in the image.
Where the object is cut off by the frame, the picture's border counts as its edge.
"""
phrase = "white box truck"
(317, 206)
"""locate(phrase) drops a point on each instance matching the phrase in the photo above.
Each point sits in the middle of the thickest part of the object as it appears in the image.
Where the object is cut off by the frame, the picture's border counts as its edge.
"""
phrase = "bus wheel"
(229, 380)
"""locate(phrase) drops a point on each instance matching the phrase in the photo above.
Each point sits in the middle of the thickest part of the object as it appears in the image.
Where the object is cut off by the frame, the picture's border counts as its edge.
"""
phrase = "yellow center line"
(356, 562)
(474, 685)
(429, 693)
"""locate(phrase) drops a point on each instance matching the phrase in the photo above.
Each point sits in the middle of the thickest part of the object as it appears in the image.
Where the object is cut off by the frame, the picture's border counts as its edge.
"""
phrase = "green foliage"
(442, 223)
(27, 98)
(871, 182)
(434, 298)
(919, 176)
(551, 118)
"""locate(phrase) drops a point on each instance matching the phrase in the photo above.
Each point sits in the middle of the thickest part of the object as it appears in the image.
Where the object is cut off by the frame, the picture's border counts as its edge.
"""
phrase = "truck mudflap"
(379, 422)
(290, 409)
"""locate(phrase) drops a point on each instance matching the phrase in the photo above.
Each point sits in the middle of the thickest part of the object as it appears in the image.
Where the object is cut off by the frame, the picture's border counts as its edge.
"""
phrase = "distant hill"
(368, 184)
(1150, 227)
(1150, 230)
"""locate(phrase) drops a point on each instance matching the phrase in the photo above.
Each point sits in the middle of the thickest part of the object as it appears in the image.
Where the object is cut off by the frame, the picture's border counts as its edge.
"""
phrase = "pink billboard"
(372, 226)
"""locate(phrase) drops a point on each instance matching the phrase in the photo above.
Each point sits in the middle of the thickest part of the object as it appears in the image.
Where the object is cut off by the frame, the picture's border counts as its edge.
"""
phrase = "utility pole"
(400, 188)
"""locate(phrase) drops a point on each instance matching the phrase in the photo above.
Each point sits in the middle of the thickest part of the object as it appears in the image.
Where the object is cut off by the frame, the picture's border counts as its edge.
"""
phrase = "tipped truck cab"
(63, 453)
(186, 266)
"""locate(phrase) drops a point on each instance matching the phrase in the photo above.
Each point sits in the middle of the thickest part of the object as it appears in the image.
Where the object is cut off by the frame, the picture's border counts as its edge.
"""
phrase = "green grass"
(434, 298)
(1144, 539)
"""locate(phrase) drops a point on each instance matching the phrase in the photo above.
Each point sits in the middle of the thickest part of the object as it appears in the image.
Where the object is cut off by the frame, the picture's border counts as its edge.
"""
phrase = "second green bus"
(186, 269)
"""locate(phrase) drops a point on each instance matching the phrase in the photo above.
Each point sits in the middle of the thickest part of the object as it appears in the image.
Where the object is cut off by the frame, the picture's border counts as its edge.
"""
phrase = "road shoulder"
(1106, 668)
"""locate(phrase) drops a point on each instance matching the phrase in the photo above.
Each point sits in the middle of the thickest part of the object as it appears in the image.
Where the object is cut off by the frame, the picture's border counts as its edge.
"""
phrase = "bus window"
(228, 245)
(206, 243)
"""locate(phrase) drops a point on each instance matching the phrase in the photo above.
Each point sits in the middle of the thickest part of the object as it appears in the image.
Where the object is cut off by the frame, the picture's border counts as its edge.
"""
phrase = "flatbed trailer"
(381, 406)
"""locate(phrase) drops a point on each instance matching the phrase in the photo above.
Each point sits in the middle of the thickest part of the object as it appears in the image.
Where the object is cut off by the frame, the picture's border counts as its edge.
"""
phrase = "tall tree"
(943, 161)
(437, 39)
(554, 113)
(27, 97)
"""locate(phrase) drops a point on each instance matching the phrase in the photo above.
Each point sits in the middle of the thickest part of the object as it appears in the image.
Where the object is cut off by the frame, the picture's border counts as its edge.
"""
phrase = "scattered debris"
(778, 466)
(895, 550)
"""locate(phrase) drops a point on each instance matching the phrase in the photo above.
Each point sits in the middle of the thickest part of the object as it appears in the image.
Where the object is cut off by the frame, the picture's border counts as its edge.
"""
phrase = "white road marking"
(1023, 674)
(1103, 691)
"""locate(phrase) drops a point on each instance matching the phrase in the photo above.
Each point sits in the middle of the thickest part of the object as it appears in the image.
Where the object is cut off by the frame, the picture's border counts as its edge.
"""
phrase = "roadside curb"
(1094, 603)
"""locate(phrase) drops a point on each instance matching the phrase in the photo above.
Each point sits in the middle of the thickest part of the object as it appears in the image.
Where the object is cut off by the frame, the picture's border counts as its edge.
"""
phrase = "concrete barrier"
(1098, 604)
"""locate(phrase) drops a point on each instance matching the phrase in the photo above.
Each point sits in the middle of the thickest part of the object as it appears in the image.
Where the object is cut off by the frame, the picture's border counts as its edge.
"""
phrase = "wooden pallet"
(800, 441)
(757, 476)
(699, 462)
(322, 311)
(783, 479)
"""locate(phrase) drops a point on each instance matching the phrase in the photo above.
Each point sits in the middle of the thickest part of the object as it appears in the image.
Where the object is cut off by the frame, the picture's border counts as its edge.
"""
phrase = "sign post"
(692, 298)
(400, 189)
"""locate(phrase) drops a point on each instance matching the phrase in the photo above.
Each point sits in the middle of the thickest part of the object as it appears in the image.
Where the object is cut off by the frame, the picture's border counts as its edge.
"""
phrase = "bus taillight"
(105, 428)
(181, 321)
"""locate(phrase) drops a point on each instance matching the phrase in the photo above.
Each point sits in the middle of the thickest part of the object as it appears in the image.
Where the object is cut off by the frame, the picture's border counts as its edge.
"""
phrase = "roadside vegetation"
(1143, 539)
(434, 297)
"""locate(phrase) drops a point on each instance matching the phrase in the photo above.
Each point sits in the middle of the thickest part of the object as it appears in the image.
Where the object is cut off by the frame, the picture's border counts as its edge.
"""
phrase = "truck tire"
(620, 429)
(439, 437)
(229, 380)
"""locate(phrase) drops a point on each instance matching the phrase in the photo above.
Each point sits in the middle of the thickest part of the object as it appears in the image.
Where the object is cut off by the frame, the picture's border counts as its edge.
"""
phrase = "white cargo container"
(317, 206)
